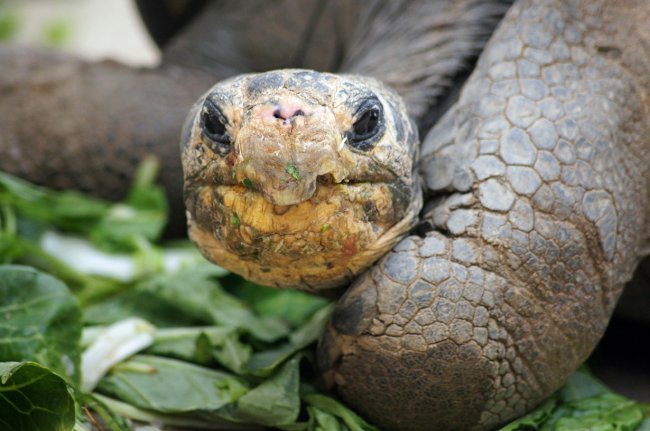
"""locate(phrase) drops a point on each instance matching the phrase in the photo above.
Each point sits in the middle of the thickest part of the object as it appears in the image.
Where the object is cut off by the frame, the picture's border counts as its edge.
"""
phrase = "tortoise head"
(296, 178)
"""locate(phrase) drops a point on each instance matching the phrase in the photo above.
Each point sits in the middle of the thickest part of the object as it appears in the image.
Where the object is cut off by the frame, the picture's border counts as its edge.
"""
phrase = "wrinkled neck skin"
(371, 38)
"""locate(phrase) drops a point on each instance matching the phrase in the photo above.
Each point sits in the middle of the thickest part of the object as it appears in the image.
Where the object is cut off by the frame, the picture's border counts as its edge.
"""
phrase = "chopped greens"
(234, 220)
(247, 183)
(293, 171)
(103, 326)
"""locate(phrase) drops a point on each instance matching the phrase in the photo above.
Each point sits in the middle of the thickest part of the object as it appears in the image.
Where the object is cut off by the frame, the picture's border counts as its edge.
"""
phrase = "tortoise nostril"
(285, 113)
(283, 109)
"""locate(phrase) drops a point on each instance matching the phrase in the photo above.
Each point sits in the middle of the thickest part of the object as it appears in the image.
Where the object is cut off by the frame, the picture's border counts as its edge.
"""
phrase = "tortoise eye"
(368, 124)
(213, 123)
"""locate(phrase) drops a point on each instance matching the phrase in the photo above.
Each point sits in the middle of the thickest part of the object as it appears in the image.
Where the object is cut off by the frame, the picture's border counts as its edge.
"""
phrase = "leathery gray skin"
(543, 163)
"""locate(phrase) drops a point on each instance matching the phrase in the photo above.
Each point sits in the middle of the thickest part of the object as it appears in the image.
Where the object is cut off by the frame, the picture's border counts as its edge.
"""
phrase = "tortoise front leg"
(544, 160)
(66, 123)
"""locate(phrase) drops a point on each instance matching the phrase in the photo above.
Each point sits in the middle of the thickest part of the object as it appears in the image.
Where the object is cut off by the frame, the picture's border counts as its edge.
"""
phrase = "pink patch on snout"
(283, 112)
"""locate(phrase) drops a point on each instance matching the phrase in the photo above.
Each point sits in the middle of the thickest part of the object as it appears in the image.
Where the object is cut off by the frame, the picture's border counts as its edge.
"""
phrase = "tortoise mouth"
(323, 241)
(273, 195)
(248, 208)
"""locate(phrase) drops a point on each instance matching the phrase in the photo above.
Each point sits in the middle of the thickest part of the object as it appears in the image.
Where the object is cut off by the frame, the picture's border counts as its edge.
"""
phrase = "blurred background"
(94, 29)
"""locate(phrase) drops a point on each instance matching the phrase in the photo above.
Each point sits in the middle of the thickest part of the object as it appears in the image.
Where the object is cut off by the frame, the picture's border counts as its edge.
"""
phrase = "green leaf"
(193, 420)
(276, 401)
(67, 210)
(602, 412)
(322, 420)
(33, 398)
(329, 405)
(171, 386)
(112, 421)
(291, 305)
(193, 344)
(202, 345)
(232, 353)
(247, 183)
(264, 362)
(234, 220)
(116, 227)
(187, 298)
(293, 171)
(142, 215)
(41, 321)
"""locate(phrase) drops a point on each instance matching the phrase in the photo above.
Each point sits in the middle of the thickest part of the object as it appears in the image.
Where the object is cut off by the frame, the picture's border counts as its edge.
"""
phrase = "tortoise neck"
(231, 37)
(421, 48)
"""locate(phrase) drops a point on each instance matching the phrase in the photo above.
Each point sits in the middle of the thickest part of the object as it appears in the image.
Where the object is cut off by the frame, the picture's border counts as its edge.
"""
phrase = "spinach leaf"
(33, 398)
(41, 321)
(325, 410)
(264, 362)
(68, 210)
(203, 345)
(142, 215)
(171, 386)
(188, 297)
(293, 306)
(193, 420)
(117, 227)
(603, 412)
(275, 401)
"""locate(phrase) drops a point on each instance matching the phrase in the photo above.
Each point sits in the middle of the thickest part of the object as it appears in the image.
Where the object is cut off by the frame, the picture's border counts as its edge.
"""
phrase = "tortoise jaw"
(316, 244)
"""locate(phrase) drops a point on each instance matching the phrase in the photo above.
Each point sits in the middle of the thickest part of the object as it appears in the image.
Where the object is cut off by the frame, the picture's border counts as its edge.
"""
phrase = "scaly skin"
(462, 328)
(544, 162)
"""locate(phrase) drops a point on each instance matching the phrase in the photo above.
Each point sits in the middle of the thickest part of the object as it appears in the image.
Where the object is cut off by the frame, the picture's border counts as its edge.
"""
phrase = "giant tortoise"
(533, 169)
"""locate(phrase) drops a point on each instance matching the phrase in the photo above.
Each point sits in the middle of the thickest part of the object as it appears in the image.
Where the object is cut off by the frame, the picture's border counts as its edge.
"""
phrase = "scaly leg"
(545, 161)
